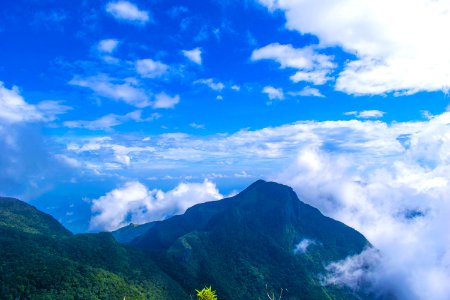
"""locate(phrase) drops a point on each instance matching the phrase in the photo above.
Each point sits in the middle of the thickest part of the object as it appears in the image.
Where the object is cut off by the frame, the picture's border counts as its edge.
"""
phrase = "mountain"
(261, 240)
(40, 259)
(246, 244)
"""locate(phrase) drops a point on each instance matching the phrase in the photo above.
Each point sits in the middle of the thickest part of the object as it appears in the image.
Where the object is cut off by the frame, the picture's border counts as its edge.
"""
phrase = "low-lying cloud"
(134, 202)
(399, 202)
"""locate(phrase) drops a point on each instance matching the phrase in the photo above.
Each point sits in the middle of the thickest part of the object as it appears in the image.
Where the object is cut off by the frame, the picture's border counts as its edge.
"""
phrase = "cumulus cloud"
(162, 100)
(211, 83)
(14, 108)
(313, 67)
(128, 12)
(366, 114)
(151, 69)
(134, 202)
(399, 46)
(194, 55)
(125, 90)
(108, 45)
(273, 93)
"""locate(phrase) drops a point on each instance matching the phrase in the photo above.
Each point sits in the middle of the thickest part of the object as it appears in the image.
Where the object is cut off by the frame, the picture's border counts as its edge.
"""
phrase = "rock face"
(263, 236)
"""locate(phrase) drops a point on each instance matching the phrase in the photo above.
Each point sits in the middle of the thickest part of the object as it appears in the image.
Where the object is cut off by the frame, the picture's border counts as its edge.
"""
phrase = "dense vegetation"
(242, 246)
(39, 259)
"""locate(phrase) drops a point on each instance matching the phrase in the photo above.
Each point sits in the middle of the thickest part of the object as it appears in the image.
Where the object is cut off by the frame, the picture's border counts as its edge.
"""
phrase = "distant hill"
(15, 214)
(128, 233)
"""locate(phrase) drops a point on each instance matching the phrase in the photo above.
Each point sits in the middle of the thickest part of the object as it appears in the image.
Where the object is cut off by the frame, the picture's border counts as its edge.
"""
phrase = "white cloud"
(123, 90)
(127, 11)
(236, 88)
(303, 246)
(399, 46)
(110, 120)
(313, 67)
(307, 91)
(108, 45)
(151, 69)
(14, 108)
(355, 271)
(195, 55)
(162, 100)
(248, 149)
(209, 82)
(50, 109)
(273, 93)
(197, 126)
(366, 114)
(315, 77)
(242, 174)
(134, 202)
(397, 198)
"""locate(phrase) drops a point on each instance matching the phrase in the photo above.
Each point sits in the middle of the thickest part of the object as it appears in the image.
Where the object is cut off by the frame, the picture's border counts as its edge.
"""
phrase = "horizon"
(117, 112)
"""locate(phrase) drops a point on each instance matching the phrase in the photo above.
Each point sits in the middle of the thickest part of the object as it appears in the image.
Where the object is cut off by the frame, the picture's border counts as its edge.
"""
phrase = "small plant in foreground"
(206, 294)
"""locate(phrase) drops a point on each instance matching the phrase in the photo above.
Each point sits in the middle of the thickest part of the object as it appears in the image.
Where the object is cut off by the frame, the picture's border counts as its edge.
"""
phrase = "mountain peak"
(263, 184)
(263, 206)
(270, 196)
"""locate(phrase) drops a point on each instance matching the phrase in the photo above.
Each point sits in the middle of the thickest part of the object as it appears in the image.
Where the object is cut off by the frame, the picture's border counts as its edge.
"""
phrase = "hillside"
(40, 259)
(17, 215)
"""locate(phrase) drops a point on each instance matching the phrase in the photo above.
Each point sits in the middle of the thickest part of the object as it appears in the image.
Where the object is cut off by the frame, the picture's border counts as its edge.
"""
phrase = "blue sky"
(131, 111)
(132, 82)
(110, 91)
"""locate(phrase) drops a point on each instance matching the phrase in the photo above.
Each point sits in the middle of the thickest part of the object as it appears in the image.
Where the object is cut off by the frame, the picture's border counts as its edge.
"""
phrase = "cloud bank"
(134, 202)
(399, 202)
